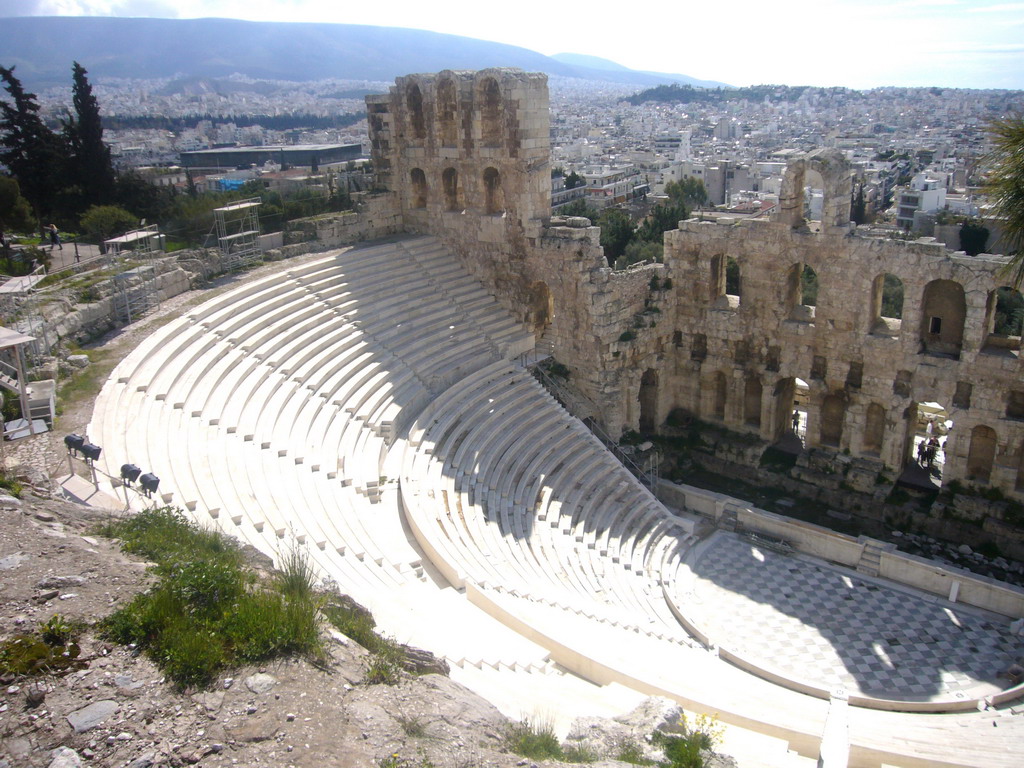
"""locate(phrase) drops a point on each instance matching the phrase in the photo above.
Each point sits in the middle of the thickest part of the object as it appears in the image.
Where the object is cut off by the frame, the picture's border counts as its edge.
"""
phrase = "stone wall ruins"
(466, 158)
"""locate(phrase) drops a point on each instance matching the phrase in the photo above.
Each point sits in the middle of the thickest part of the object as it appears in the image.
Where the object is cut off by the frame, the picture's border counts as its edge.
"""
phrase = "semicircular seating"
(364, 406)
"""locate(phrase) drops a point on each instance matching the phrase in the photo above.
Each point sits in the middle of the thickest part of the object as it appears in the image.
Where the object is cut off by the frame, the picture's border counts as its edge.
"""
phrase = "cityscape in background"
(917, 151)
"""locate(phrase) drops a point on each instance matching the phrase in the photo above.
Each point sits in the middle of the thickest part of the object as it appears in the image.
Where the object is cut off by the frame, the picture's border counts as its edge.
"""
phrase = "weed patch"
(86, 383)
(208, 611)
(52, 650)
(384, 665)
(535, 740)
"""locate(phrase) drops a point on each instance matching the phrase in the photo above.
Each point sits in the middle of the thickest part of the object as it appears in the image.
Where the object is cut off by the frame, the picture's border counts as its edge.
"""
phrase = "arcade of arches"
(819, 330)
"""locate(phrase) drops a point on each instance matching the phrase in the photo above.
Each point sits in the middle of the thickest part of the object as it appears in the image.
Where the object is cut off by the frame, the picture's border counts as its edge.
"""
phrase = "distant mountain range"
(43, 47)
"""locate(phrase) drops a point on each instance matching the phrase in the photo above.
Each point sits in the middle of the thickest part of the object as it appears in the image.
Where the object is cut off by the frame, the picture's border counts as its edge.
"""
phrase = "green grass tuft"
(208, 611)
(535, 740)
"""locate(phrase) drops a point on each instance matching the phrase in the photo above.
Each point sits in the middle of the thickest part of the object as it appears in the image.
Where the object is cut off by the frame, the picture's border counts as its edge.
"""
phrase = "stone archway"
(447, 112)
(418, 181)
(837, 189)
(450, 186)
(981, 454)
(414, 103)
(489, 94)
(494, 197)
(648, 398)
(874, 429)
(886, 305)
(833, 414)
(541, 310)
(943, 313)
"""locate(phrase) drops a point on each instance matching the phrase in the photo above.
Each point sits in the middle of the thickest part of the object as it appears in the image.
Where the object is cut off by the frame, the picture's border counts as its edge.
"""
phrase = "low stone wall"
(375, 215)
(898, 567)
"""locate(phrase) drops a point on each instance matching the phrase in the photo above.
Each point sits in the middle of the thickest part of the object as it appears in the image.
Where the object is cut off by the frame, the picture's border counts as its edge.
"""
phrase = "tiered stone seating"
(363, 407)
(464, 456)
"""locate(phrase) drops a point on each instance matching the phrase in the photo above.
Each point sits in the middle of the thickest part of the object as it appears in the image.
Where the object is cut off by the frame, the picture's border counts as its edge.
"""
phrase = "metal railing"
(564, 396)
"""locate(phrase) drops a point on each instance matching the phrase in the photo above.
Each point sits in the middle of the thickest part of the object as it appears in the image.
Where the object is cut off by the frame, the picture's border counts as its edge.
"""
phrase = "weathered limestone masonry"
(736, 357)
(465, 156)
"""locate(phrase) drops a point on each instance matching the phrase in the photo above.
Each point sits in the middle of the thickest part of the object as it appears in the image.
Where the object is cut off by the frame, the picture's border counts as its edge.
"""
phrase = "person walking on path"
(54, 238)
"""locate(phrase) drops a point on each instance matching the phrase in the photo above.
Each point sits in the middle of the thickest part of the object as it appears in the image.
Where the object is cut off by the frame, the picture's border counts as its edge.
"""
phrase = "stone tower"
(465, 153)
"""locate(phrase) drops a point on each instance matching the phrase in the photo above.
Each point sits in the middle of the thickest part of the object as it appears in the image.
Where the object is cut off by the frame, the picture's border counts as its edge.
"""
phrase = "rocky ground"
(119, 711)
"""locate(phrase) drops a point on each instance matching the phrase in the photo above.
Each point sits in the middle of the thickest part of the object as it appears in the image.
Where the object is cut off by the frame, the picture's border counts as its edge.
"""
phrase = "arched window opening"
(725, 282)
(801, 293)
(887, 305)
(943, 312)
(732, 279)
(648, 401)
(874, 429)
(982, 454)
(414, 103)
(833, 413)
(752, 402)
(450, 184)
(447, 113)
(494, 199)
(1004, 316)
(419, 188)
(490, 113)
(814, 198)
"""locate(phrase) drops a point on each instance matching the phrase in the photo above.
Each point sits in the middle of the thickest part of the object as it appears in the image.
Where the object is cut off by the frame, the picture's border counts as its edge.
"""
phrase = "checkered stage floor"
(827, 626)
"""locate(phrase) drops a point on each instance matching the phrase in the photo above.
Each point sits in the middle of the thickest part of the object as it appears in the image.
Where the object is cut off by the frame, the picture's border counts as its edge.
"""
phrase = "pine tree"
(91, 167)
(33, 154)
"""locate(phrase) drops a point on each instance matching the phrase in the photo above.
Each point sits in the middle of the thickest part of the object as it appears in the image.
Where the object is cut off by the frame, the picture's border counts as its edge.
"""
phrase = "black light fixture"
(150, 483)
(74, 443)
(90, 451)
(130, 473)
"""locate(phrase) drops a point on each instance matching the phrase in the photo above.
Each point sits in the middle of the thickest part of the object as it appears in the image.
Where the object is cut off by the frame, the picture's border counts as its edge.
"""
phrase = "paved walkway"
(825, 625)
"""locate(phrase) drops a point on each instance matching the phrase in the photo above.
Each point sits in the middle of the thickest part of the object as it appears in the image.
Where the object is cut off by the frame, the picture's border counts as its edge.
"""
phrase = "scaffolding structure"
(141, 243)
(238, 233)
(134, 293)
(36, 400)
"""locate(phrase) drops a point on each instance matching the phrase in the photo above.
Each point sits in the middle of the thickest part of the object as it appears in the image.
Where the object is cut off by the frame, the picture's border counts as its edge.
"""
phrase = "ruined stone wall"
(465, 156)
(739, 354)
(373, 216)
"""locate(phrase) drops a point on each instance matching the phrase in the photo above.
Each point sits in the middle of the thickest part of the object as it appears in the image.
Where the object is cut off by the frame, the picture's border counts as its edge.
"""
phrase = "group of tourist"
(926, 451)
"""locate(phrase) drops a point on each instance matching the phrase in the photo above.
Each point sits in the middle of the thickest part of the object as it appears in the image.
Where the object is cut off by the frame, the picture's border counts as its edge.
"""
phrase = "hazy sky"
(856, 43)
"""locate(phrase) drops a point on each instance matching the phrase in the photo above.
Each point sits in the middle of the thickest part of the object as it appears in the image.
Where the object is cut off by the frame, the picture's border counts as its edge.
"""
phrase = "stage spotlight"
(130, 473)
(91, 452)
(74, 443)
(150, 483)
